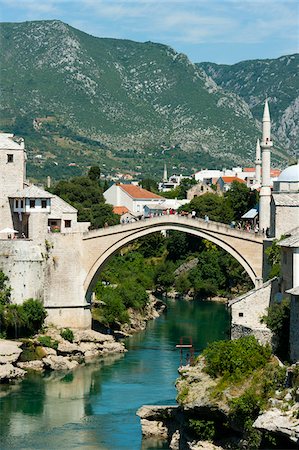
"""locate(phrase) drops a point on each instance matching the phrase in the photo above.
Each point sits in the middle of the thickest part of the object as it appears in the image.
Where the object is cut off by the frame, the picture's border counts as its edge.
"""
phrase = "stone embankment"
(17, 357)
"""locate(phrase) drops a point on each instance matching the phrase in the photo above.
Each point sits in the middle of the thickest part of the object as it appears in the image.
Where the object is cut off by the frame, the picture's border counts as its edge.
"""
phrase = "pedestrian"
(193, 214)
(207, 218)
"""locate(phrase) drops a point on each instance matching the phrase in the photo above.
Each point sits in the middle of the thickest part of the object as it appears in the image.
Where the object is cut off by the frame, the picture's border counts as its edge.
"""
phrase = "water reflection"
(95, 406)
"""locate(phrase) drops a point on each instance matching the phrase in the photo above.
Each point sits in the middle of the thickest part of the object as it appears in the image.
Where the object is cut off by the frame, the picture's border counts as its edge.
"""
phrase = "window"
(17, 204)
(9, 158)
(67, 223)
(44, 204)
(241, 314)
(22, 204)
(32, 203)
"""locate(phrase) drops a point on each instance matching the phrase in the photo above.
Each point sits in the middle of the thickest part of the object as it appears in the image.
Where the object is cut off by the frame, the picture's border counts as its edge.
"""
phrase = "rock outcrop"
(285, 423)
(9, 372)
(9, 351)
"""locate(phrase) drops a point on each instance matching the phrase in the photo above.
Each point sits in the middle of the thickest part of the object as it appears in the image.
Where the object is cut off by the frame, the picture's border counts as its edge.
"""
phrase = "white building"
(132, 197)
(29, 210)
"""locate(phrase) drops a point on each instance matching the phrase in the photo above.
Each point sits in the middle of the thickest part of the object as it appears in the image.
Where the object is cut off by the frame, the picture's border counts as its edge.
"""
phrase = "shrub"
(204, 429)
(35, 314)
(47, 341)
(67, 334)
(278, 320)
(235, 359)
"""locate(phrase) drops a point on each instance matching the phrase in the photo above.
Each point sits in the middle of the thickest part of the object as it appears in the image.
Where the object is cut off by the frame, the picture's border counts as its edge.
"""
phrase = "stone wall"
(247, 311)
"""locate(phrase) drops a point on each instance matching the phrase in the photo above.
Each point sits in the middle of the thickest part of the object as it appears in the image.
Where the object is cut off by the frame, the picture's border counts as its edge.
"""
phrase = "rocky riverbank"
(18, 357)
(203, 418)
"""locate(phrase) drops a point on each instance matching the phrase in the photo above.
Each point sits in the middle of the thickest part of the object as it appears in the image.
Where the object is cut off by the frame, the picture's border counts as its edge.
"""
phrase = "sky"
(220, 31)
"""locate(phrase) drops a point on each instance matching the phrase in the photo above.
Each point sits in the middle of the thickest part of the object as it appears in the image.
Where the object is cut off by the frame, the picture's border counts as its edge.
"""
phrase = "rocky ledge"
(18, 357)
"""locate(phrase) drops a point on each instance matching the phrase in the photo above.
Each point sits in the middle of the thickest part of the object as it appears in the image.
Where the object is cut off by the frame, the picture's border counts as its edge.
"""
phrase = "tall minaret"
(165, 173)
(265, 193)
(258, 163)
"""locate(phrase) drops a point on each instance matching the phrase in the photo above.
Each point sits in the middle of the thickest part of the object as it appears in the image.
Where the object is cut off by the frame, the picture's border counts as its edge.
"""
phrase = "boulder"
(154, 412)
(67, 348)
(36, 365)
(53, 362)
(154, 428)
(9, 372)
(88, 346)
(203, 445)
(175, 441)
(281, 422)
(89, 354)
(49, 351)
(91, 336)
(9, 351)
(112, 347)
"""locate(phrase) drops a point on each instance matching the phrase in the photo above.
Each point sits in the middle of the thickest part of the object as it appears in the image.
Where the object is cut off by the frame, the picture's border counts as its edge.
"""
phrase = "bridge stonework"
(66, 266)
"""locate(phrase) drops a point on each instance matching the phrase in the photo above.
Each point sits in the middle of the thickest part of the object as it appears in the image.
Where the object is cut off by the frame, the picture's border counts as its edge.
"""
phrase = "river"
(94, 406)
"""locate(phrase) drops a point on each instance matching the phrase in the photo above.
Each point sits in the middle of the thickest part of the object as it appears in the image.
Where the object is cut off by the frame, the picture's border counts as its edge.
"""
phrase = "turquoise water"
(94, 406)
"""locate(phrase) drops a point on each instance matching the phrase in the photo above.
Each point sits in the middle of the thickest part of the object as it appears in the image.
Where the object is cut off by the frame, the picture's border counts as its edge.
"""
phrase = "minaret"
(258, 163)
(265, 193)
(165, 173)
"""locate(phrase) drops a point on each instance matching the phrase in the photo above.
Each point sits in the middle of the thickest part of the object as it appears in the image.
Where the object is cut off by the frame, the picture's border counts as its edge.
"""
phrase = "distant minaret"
(265, 193)
(258, 163)
(165, 173)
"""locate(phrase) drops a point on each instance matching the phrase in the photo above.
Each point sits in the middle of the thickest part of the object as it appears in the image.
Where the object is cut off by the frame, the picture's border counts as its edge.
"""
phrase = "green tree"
(164, 276)
(102, 214)
(240, 199)
(278, 320)
(94, 174)
(150, 185)
(217, 208)
(151, 245)
(5, 290)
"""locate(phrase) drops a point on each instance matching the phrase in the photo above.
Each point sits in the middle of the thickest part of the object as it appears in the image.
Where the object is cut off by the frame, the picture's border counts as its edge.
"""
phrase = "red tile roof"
(137, 191)
(249, 169)
(275, 172)
(120, 210)
(231, 179)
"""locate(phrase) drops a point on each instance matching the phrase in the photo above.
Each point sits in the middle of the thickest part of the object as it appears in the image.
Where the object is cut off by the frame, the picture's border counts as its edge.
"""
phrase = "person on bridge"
(193, 214)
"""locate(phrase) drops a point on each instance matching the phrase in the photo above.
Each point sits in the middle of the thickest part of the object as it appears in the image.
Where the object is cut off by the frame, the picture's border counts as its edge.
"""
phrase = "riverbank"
(258, 411)
(50, 351)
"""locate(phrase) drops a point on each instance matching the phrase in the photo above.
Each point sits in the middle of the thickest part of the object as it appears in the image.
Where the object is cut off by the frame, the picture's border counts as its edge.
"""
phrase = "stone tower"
(265, 193)
(12, 174)
(258, 163)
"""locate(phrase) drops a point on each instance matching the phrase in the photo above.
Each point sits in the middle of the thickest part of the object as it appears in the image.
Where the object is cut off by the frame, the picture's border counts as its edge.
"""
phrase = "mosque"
(279, 219)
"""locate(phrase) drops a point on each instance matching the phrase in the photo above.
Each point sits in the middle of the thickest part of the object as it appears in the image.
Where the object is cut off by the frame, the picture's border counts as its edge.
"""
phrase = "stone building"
(199, 189)
(28, 209)
(279, 215)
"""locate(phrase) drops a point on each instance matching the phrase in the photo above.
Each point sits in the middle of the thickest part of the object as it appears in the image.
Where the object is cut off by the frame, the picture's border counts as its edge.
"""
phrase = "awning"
(251, 214)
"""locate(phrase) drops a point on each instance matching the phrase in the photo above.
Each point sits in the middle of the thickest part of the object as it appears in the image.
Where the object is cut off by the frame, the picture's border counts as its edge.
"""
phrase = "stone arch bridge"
(63, 268)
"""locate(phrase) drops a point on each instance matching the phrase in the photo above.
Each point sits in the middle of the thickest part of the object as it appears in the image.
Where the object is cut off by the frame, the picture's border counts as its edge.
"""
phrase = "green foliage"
(234, 359)
(278, 320)
(203, 429)
(67, 334)
(5, 290)
(86, 195)
(273, 254)
(112, 309)
(164, 276)
(182, 284)
(35, 315)
(47, 341)
(217, 208)
(241, 199)
(94, 174)
(151, 245)
(150, 185)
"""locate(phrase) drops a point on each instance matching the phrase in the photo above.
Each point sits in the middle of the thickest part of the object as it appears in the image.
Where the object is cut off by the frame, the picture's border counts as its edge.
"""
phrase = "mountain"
(278, 79)
(80, 100)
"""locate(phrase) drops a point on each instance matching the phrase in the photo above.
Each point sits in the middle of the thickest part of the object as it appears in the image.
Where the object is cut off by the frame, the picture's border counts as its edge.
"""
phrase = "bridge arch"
(121, 241)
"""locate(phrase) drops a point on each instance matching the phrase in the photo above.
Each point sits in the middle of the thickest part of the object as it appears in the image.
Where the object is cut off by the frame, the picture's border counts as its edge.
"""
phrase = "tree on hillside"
(241, 199)
(94, 174)
(102, 214)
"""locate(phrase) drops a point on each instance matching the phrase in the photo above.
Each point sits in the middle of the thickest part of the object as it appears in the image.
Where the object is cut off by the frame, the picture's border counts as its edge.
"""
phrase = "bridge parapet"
(211, 226)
